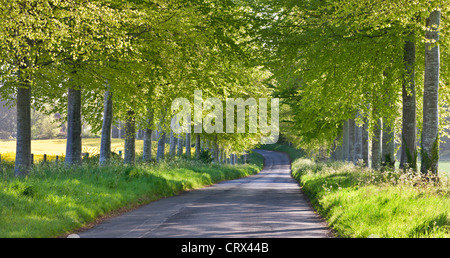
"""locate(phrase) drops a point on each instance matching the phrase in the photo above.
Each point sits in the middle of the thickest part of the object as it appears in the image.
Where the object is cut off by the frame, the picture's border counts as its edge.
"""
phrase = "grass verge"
(360, 203)
(55, 200)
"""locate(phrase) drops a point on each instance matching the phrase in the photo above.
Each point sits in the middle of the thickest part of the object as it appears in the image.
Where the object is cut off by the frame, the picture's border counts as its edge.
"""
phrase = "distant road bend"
(267, 205)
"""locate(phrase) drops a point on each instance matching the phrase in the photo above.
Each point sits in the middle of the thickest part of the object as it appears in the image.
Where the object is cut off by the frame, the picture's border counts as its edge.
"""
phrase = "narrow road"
(267, 205)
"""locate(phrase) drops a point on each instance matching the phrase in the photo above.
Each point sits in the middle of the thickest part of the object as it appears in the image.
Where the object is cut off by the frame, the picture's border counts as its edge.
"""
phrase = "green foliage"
(43, 126)
(331, 59)
(205, 156)
(146, 54)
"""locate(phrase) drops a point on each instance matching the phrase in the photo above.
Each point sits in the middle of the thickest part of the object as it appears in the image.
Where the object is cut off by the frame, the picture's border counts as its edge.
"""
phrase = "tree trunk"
(430, 131)
(197, 146)
(180, 145)
(105, 144)
(358, 142)
(351, 140)
(173, 145)
(337, 153)
(376, 146)
(345, 139)
(408, 157)
(147, 151)
(188, 145)
(130, 138)
(161, 144)
(388, 147)
(73, 147)
(365, 143)
(23, 143)
(216, 150)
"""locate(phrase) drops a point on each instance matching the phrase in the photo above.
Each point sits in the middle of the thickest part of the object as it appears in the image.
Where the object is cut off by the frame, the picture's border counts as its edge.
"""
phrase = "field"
(58, 147)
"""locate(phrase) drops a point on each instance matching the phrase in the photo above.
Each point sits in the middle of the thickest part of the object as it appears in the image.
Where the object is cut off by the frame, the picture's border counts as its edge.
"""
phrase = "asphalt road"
(267, 205)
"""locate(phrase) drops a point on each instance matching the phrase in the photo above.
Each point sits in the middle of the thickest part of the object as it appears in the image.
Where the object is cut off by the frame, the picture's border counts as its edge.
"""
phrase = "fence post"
(84, 156)
(32, 158)
(45, 158)
(56, 159)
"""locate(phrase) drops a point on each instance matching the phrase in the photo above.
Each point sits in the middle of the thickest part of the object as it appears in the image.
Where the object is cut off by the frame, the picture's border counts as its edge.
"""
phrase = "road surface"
(267, 205)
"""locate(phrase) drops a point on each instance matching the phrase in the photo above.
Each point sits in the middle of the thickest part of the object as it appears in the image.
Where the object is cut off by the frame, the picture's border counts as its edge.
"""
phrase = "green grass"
(360, 203)
(55, 200)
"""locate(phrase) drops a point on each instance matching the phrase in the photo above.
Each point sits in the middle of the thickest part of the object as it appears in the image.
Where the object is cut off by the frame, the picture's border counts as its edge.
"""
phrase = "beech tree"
(29, 39)
(430, 131)
(333, 58)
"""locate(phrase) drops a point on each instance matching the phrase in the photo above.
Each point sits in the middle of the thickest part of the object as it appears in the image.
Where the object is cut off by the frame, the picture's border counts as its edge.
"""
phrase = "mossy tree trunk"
(430, 130)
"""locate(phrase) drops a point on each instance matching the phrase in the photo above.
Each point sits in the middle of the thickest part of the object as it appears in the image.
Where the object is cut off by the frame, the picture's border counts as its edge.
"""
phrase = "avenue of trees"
(351, 74)
(127, 60)
(357, 72)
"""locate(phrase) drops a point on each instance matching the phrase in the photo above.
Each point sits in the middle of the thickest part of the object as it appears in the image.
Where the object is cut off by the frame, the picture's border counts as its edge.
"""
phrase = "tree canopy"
(328, 61)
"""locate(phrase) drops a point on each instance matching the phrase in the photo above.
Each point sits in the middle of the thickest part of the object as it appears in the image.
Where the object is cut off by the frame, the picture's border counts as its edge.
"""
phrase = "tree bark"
(365, 143)
(345, 139)
(216, 150)
(180, 145)
(430, 131)
(105, 144)
(188, 145)
(197, 146)
(351, 140)
(388, 147)
(130, 138)
(161, 145)
(147, 151)
(376, 146)
(408, 158)
(23, 143)
(73, 147)
(173, 145)
(358, 142)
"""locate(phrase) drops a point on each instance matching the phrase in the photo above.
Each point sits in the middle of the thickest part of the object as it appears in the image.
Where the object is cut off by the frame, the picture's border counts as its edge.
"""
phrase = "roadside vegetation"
(358, 202)
(54, 200)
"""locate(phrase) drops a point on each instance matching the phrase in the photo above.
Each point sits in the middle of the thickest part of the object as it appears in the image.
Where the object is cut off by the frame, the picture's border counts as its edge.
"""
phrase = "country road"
(267, 205)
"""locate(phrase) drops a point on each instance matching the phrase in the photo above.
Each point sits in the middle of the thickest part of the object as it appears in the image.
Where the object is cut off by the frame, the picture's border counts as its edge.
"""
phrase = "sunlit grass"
(57, 147)
(56, 199)
(359, 202)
